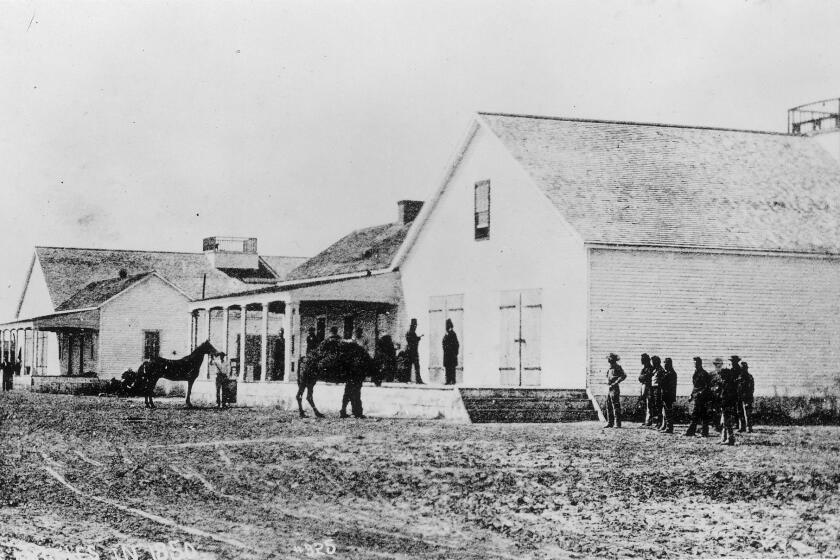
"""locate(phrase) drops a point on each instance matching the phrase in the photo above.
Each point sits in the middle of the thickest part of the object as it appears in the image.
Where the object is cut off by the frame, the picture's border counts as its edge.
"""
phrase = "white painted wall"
(149, 305)
(780, 314)
(530, 246)
(36, 295)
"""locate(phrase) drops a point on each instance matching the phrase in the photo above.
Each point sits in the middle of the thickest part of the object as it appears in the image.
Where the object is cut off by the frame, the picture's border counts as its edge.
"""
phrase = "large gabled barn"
(553, 242)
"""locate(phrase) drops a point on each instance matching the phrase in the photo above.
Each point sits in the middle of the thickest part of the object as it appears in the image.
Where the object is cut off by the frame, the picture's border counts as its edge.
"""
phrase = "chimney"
(407, 210)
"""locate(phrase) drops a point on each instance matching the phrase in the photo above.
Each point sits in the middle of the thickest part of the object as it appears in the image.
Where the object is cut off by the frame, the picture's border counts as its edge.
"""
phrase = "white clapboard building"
(102, 311)
(552, 242)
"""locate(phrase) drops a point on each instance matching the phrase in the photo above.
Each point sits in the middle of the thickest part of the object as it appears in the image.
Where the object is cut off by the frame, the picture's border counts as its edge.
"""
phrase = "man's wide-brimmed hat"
(718, 361)
(613, 357)
(735, 359)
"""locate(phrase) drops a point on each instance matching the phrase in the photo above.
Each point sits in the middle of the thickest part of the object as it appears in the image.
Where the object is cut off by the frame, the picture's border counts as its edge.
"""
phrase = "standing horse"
(185, 369)
(335, 361)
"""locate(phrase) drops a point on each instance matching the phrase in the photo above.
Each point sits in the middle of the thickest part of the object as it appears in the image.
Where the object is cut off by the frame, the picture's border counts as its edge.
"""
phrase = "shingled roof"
(370, 248)
(97, 293)
(68, 270)
(661, 185)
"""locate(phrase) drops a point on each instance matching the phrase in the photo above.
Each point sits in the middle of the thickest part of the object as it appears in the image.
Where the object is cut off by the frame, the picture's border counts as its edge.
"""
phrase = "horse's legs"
(311, 400)
(299, 397)
(189, 391)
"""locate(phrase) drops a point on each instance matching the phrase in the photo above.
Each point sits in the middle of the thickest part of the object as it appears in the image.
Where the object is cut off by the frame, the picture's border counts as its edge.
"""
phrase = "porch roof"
(376, 288)
(76, 319)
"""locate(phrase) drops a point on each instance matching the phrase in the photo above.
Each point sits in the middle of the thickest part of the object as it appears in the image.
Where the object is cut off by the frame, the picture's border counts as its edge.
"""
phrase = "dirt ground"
(106, 475)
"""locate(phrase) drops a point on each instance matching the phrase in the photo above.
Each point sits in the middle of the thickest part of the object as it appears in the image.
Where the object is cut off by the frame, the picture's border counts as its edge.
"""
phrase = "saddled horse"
(335, 361)
(185, 369)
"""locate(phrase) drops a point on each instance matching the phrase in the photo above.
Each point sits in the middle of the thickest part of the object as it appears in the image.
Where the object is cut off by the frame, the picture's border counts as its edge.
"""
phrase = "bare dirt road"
(104, 475)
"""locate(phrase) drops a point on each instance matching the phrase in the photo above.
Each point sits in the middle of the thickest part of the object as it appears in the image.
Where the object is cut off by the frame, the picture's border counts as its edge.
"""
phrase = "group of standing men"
(722, 398)
(398, 366)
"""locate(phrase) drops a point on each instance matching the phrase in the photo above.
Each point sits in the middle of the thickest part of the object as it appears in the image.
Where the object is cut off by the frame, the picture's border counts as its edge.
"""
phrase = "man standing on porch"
(412, 340)
(450, 352)
(311, 341)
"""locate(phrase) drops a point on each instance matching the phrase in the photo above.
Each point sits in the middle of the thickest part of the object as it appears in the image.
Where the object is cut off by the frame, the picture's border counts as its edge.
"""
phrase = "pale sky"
(150, 124)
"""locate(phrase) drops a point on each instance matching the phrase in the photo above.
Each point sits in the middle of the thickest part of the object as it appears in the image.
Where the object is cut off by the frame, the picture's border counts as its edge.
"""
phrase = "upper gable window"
(482, 210)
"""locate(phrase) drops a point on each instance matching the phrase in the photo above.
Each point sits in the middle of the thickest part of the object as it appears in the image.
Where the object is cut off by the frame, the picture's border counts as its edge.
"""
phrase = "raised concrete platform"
(527, 405)
(391, 400)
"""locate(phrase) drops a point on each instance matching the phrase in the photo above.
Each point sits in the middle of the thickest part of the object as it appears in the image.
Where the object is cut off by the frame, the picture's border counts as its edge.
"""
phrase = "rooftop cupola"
(232, 252)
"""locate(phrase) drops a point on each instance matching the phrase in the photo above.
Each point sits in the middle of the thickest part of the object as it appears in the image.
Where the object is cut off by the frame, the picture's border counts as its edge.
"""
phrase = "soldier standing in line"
(656, 390)
(700, 395)
(615, 375)
(713, 410)
(645, 398)
(412, 340)
(746, 389)
(669, 396)
(729, 401)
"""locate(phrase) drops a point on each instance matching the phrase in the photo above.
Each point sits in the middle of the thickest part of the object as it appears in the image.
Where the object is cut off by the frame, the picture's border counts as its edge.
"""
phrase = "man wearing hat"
(746, 389)
(646, 398)
(729, 400)
(657, 377)
(669, 397)
(714, 415)
(222, 378)
(699, 396)
(615, 375)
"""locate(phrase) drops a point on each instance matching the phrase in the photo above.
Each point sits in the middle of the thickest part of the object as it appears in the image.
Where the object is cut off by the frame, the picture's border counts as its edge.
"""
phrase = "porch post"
(35, 338)
(225, 334)
(264, 343)
(291, 328)
(242, 315)
(190, 328)
(207, 331)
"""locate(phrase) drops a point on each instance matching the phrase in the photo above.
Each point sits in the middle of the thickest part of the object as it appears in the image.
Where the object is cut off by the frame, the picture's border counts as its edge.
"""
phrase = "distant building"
(104, 311)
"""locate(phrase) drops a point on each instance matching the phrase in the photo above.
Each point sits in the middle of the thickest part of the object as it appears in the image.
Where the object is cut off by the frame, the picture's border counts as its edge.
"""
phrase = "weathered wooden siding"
(780, 314)
(149, 305)
(529, 248)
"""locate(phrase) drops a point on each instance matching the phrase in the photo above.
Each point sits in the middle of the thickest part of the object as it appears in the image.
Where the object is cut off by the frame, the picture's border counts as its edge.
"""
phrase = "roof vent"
(123, 273)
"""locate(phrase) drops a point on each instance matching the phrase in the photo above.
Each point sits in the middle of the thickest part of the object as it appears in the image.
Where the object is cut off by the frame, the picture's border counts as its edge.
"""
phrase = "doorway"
(521, 325)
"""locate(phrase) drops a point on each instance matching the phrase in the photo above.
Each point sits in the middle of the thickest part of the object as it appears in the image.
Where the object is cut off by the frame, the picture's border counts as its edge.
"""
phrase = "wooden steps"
(518, 404)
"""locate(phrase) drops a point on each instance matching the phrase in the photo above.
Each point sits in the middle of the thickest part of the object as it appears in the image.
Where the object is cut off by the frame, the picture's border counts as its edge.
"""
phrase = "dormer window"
(482, 210)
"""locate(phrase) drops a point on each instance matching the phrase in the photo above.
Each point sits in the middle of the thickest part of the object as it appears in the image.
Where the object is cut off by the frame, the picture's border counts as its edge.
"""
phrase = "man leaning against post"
(615, 375)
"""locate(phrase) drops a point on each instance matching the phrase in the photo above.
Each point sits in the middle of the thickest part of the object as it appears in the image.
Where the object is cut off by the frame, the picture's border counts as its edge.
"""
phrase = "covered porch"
(264, 332)
(57, 344)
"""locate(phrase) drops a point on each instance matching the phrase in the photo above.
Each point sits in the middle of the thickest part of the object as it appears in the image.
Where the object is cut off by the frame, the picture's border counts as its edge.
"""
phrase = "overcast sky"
(150, 125)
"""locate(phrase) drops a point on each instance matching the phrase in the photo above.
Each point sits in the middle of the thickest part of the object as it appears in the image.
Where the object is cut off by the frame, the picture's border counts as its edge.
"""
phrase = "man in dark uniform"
(7, 370)
(729, 401)
(669, 396)
(715, 417)
(746, 390)
(334, 336)
(615, 375)
(352, 396)
(311, 340)
(657, 376)
(450, 352)
(699, 395)
(412, 340)
(645, 399)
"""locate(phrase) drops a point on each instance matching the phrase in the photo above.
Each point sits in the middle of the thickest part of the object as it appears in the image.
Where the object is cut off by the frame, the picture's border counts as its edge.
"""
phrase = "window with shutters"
(151, 344)
(482, 210)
